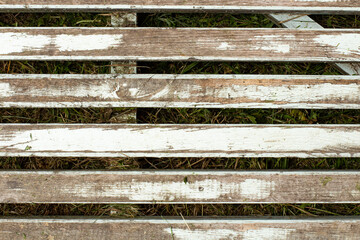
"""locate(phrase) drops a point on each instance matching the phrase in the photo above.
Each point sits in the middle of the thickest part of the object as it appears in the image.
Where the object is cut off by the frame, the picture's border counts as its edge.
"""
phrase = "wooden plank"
(143, 140)
(306, 22)
(311, 6)
(148, 187)
(205, 91)
(181, 229)
(180, 44)
(124, 20)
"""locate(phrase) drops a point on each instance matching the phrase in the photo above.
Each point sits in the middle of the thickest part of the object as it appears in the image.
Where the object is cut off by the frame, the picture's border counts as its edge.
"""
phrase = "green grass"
(193, 116)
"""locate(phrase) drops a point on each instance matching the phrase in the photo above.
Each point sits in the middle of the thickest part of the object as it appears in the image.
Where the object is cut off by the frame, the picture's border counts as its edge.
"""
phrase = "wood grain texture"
(180, 229)
(311, 6)
(180, 44)
(148, 187)
(122, 140)
(208, 91)
(305, 22)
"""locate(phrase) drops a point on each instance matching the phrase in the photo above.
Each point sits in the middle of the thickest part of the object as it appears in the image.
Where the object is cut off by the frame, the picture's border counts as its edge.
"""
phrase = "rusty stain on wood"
(181, 44)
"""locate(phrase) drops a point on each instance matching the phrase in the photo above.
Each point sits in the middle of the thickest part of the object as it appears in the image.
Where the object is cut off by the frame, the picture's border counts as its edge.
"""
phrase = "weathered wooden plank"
(311, 6)
(306, 22)
(180, 44)
(210, 91)
(181, 229)
(147, 187)
(145, 140)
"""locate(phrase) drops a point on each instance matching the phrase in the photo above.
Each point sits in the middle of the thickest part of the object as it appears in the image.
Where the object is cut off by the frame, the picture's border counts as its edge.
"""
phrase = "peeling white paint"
(210, 189)
(273, 43)
(5, 90)
(210, 234)
(174, 140)
(184, 7)
(106, 90)
(256, 189)
(66, 42)
(160, 191)
(345, 43)
(225, 46)
(268, 234)
(11, 42)
(21, 42)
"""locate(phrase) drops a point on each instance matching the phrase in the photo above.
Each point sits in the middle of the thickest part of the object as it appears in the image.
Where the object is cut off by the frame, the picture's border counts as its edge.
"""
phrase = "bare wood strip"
(144, 140)
(224, 91)
(170, 228)
(306, 22)
(311, 6)
(181, 44)
(147, 187)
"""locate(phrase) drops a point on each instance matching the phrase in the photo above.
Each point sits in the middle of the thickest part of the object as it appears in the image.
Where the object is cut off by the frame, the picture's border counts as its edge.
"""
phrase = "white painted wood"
(157, 90)
(112, 140)
(179, 187)
(315, 7)
(305, 22)
(180, 44)
(182, 229)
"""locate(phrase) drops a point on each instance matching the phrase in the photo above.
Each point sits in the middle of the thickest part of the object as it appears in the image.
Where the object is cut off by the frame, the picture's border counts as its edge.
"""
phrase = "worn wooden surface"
(312, 6)
(181, 229)
(147, 187)
(174, 140)
(305, 22)
(181, 44)
(219, 91)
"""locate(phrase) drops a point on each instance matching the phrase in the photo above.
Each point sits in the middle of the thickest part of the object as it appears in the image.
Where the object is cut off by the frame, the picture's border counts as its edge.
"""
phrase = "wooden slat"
(181, 229)
(219, 91)
(145, 140)
(306, 22)
(312, 6)
(147, 187)
(182, 44)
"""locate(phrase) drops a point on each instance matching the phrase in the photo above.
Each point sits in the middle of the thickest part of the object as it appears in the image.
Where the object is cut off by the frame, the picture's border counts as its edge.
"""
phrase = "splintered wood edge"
(180, 187)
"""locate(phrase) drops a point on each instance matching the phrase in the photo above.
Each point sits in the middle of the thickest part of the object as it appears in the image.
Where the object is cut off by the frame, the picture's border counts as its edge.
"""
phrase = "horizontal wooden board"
(147, 187)
(208, 91)
(180, 44)
(181, 229)
(302, 21)
(143, 140)
(311, 6)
